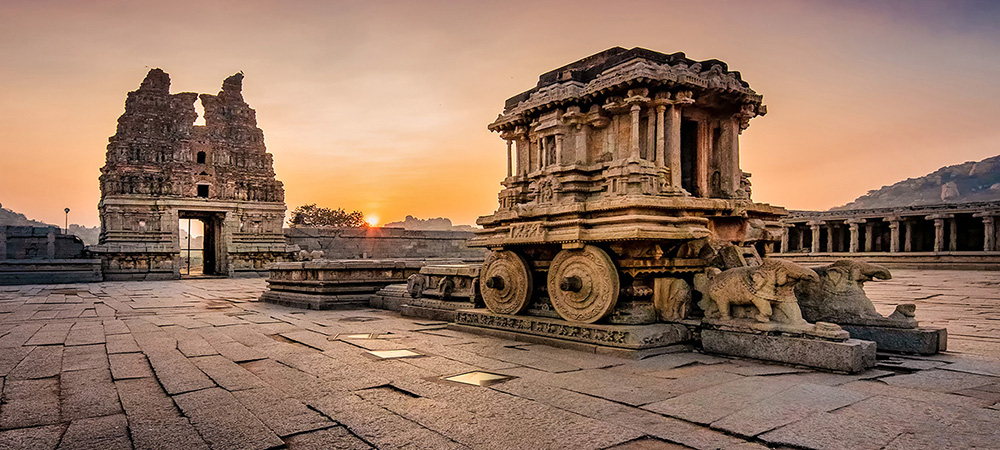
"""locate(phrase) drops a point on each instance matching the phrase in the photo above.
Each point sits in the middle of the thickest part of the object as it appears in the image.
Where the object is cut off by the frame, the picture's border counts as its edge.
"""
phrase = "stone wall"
(378, 243)
(38, 243)
(42, 255)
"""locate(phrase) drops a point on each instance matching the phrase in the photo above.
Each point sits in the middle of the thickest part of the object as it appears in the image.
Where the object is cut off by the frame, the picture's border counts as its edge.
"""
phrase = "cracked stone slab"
(786, 407)
(223, 422)
(97, 433)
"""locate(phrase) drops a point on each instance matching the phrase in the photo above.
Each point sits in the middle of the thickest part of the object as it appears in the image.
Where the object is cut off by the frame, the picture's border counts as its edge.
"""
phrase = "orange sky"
(382, 106)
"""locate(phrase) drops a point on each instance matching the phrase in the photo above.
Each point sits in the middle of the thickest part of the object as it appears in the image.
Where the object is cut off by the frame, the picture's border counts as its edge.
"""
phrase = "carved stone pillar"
(908, 244)
(853, 226)
(830, 241)
(893, 234)
(3, 243)
(989, 230)
(938, 231)
(636, 98)
(702, 158)
(510, 159)
(559, 150)
(814, 227)
(50, 248)
(728, 155)
(802, 240)
(989, 239)
(785, 230)
(673, 147)
(952, 234)
(869, 236)
(661, 133)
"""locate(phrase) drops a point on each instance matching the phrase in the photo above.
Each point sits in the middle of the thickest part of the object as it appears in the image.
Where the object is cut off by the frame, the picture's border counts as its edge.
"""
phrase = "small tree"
(316, 216)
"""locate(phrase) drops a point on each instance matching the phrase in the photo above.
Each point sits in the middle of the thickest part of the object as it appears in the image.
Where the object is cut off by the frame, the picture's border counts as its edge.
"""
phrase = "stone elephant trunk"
(839, 296)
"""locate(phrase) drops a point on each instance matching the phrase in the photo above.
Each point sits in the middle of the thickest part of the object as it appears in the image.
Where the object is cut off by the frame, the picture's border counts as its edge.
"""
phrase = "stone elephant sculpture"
(839, 296)
(770, 287)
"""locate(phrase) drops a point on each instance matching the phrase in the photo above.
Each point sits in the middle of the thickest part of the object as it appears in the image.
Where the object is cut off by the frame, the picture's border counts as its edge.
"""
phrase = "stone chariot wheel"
(505, 282)
(583, 284)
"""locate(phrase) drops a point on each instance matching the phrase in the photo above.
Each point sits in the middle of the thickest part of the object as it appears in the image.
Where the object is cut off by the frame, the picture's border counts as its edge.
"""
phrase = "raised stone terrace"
(201, 364)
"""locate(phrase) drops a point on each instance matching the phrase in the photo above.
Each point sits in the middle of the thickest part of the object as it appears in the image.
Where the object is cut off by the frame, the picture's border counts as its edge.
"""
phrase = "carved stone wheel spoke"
(583, 284)
(505, 282)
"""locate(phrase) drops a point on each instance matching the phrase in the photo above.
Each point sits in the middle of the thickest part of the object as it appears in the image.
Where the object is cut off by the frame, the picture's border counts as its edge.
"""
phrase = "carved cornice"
(693, 76)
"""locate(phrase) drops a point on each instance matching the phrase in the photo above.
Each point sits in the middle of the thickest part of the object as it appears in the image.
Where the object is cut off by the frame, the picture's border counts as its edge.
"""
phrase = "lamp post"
(67, 219)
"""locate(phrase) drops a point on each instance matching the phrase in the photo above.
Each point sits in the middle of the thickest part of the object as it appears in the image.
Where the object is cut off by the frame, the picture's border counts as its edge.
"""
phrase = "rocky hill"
(8, 217)
(973, 181)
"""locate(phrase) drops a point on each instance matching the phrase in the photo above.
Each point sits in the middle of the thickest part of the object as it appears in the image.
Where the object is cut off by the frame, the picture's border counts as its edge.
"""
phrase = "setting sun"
(372, 221)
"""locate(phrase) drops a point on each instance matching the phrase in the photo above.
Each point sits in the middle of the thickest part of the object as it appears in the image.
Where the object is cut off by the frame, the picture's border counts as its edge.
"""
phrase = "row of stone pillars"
(901, 234)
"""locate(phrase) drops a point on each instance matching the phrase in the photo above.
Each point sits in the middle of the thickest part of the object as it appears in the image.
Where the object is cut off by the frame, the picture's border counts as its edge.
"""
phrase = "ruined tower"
(161, 168)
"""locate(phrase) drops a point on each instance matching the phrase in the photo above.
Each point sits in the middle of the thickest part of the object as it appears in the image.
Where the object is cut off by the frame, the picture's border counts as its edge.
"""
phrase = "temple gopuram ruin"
(162, 168)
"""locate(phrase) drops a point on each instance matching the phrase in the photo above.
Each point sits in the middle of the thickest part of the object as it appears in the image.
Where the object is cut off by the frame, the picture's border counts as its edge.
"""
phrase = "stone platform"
(201, 364)
(919, 341)
(325, 284)
(850, 356)
(49, 271)
(630, 341)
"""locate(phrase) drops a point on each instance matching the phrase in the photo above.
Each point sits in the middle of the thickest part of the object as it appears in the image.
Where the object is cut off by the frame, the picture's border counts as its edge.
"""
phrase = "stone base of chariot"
(850, 355)
(626, 341)
(920, 341)
(396, 297)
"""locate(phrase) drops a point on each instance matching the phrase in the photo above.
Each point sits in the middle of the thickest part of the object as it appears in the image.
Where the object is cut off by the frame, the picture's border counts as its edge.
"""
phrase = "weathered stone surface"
(44, 437)
(42, 362)
(121, 343)
(88, 393)
(227, 374)
(849, 356)
(28, 403)
(176, 373)
(334, 437)
(154, 421)
(223, 422)
(619, 336)
(284, 416)
(84, 357)
(129, 365)
(97, 433)
(786, 407)
(920, 341)
(713, 403)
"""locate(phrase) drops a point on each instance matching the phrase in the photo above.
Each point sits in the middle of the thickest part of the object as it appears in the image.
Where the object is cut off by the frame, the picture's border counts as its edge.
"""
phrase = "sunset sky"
(382, 106)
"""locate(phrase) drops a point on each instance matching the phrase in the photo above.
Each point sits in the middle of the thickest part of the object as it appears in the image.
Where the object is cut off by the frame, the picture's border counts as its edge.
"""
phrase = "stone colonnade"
(934, 229)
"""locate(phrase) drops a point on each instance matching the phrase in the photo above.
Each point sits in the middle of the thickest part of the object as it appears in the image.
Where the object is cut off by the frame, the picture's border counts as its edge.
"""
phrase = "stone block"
(633, 337)
(849, 356)
(921, 341)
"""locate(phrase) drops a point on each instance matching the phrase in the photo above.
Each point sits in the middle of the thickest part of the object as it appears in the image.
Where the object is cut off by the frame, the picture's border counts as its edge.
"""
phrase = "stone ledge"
(921, 341)
(314, 301)
(849, 356)
(632, 337)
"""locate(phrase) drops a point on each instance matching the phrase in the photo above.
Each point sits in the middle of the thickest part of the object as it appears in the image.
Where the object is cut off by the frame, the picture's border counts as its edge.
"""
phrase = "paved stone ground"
(200, 364)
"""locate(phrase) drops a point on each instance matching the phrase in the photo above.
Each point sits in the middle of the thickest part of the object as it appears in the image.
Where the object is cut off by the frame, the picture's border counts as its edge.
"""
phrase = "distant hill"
(11, 218)
(973, 181)
(89, 235)
(435, 224)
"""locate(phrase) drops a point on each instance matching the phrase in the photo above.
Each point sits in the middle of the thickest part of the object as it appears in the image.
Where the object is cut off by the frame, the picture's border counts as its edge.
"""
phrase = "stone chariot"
(623, 179)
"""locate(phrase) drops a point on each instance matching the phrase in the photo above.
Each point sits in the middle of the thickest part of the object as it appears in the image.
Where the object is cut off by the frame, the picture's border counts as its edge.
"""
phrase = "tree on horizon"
(317, 216)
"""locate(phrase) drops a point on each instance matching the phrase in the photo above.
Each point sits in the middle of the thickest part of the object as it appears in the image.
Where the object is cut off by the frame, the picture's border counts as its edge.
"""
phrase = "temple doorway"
(199, 243)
